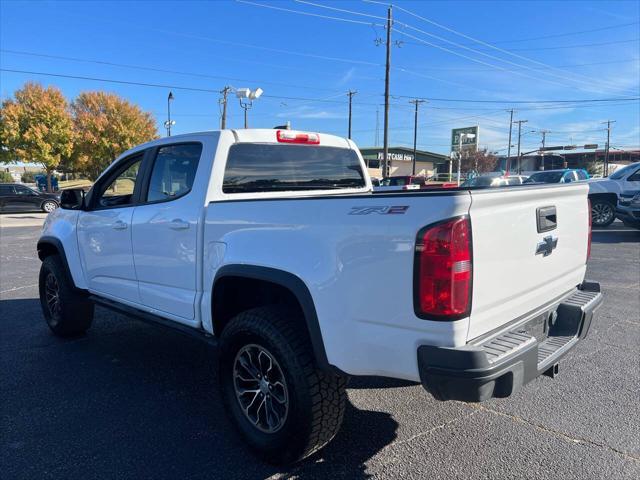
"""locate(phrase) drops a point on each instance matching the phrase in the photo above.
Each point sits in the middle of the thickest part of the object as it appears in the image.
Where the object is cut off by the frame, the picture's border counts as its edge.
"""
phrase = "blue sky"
(485, 55)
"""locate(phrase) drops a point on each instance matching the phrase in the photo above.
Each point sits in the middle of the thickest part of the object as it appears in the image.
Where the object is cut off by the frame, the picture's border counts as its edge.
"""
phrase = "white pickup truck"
(272, 245)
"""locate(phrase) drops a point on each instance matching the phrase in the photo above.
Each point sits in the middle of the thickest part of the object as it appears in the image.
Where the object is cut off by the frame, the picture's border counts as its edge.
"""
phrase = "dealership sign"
(469, 138)
(399, 157)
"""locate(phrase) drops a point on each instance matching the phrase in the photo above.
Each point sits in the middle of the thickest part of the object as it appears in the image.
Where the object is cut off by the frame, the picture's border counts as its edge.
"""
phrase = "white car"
(604, 193)
(272, 245)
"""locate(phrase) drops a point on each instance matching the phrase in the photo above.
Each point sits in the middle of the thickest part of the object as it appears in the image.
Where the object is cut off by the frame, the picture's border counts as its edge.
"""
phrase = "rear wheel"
(282, 404)
(49, 206)
(603, 213)
(67, 312)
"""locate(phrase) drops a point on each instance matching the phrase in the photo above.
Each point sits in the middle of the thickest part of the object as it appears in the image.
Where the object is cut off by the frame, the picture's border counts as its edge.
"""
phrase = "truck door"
(165, 230)
(104, 232)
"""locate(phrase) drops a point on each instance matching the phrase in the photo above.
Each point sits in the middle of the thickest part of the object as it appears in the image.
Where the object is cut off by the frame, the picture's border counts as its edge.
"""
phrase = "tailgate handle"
(546, 219)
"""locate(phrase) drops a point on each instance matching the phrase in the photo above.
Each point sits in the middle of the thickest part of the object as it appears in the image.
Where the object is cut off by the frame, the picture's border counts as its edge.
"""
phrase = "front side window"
(174, 171)
(254, 167)
(118, 191)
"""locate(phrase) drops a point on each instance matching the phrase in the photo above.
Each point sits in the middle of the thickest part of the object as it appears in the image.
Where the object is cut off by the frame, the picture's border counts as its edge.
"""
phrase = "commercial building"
(401, 161)
(589, 160)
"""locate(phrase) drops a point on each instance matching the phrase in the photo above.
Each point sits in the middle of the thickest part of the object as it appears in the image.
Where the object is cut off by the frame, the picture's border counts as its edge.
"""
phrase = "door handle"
(119, 225)
(178, 224)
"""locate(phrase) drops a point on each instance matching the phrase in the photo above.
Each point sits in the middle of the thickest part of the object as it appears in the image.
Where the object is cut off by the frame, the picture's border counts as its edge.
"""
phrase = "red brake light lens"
(590, 228)
(287, 136)
(443, 270)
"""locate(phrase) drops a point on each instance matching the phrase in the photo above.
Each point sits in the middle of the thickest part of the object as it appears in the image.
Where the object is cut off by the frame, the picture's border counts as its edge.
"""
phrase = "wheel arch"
(610, 197)
(280, 281)
(47, 246)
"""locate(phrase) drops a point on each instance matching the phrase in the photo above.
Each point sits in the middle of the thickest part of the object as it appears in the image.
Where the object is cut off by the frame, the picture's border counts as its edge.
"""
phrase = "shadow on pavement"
(615, 235)
(132, 401)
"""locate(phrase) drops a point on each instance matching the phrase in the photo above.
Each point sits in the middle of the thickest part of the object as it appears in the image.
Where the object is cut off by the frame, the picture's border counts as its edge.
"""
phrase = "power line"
(486, 44)
(313, 100)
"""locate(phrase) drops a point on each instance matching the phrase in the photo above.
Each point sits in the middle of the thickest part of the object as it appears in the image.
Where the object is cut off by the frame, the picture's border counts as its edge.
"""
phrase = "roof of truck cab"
(252, 135)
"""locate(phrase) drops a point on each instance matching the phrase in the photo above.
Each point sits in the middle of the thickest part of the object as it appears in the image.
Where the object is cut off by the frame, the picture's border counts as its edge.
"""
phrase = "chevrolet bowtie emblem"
(546, 246)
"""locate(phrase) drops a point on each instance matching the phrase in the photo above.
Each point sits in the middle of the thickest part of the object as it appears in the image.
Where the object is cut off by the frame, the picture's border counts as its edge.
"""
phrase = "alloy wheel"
(52, 295)
(601, 213)
(260, 387)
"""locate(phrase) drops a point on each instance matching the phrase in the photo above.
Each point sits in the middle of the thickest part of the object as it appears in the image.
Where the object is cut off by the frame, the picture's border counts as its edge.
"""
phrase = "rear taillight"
(287, 136)
(443, 270)
(590, 227)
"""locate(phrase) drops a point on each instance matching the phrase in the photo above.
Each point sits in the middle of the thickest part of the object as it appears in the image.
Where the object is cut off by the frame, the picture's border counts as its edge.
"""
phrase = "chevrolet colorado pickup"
(272, 245)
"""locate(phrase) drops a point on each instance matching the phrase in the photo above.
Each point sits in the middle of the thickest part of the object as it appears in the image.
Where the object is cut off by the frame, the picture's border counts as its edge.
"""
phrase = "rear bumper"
(508, 359)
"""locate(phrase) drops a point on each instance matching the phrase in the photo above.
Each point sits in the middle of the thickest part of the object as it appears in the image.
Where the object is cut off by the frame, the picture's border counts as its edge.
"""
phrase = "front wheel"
(49, 206)
(282, 404)
(603, 213)
(67, 312)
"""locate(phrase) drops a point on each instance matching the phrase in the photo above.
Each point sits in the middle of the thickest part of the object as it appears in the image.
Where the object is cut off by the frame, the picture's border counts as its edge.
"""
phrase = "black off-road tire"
(316, 399)
(603, 213)
(73, 313)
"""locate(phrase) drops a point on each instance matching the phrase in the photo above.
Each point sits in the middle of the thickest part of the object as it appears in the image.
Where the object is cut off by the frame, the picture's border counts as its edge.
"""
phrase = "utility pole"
(544, 138)
(377, 139)
(225, 91)
(606, 151)
(416, 102)
(509, 146)
(519, 122)
(385, 155)
(351, 94)
(168, 123)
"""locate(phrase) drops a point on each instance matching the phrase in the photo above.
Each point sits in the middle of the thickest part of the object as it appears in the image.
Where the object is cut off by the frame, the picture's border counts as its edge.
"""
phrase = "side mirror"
(72, 199)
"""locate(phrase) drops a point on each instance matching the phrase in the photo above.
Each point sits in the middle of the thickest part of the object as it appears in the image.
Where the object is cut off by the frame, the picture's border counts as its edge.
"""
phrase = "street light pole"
(351, 94)
(544, 138)
(169, 122)
(416, 102)
(248, 96)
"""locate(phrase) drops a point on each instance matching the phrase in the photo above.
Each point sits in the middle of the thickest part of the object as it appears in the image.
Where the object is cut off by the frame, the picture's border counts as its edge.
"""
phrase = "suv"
(558, 176)
(605, 192)
(20, 198)
(272, 245)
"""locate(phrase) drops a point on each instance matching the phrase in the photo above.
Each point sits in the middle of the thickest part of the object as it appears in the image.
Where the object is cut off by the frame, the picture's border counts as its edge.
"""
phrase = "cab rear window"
(253, 167)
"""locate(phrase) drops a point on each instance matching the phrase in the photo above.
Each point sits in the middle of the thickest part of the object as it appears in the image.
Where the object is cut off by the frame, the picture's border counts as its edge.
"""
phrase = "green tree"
(106, 125)
(5, 177)
(36, 126)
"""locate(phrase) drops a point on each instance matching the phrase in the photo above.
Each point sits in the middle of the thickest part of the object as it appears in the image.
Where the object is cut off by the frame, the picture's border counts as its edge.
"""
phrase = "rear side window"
(254, 167)
(174, 171)
(6, 190)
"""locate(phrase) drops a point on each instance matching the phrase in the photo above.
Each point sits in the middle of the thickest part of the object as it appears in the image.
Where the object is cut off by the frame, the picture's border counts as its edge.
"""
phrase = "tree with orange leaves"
(105, 126)
(36, 127)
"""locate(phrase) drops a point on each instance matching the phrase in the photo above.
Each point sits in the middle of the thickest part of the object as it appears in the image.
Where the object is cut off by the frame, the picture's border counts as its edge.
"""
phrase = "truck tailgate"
(517, 267)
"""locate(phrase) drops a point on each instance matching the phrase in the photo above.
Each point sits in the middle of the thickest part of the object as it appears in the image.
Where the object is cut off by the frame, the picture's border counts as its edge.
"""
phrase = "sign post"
(463, 139)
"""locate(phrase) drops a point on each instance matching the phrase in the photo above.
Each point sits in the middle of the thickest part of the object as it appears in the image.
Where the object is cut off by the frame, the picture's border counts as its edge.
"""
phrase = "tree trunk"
(49, 189)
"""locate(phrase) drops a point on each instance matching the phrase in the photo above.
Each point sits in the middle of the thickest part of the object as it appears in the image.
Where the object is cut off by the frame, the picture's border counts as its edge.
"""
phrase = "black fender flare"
(299, 289)
(48, 241)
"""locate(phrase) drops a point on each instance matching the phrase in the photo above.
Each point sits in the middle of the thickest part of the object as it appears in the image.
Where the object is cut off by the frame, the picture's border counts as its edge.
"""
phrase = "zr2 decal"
(383, 210)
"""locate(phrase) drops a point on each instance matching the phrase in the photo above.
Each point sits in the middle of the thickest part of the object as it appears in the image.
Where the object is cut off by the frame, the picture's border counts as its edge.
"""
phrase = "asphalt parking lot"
(132, 401)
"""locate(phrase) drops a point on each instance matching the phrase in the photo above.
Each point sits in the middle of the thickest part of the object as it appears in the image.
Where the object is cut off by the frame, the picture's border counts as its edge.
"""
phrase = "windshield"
(545, 177)
(621, 172)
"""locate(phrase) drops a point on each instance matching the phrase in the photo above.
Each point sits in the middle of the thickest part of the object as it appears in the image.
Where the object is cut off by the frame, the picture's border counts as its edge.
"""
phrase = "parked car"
(401, 181)
(604, 193)
(558, 176)
(628, 209)
(20, 198)
(494, 181)
(272, 245)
